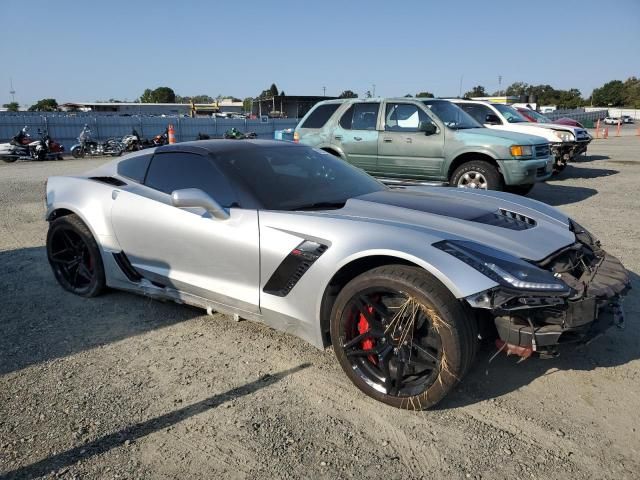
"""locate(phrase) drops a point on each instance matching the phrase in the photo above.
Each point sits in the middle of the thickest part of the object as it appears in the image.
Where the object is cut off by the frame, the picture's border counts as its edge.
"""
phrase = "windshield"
(510, 113)
(294, 178)
(538, 116)
(451, 115)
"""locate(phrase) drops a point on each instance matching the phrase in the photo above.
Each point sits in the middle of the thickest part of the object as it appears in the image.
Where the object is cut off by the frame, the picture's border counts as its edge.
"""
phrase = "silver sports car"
(403, 284)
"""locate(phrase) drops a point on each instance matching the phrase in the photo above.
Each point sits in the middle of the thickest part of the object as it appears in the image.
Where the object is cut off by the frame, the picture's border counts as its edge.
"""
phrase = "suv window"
(176, 170)
(320, 115)
(404, 117)
(135, 168)
(477, 111)
(361, 116)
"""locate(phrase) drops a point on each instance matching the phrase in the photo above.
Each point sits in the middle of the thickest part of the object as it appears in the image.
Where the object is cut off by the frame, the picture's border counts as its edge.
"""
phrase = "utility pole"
(12, 91)
(500, 84)
(374, 90)
(460, 91)
(324, 91)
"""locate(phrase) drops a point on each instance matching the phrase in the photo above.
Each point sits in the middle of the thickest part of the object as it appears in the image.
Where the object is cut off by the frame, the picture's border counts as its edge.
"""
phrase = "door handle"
(357, 138)
(408, 140)
(338, 137)
(114, 194)
(387, 140)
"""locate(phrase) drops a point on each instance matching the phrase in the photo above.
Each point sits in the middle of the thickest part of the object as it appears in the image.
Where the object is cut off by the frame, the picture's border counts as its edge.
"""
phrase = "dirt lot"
(124, 387)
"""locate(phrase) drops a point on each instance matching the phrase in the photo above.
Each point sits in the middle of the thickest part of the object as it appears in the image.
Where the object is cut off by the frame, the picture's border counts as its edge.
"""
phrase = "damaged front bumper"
(529, 322)
(569, 151)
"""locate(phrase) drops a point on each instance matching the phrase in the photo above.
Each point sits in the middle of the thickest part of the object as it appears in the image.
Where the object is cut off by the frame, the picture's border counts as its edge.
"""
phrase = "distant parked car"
(626, 119)
(404, 140)
(612, 120)
(537, 117)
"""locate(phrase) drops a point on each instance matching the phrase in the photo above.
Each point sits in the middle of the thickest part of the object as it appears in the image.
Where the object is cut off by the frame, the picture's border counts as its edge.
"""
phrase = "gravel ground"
(124, 387)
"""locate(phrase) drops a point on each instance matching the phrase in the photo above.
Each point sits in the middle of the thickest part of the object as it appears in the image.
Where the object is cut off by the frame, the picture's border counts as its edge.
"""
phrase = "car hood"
(530, 129)
(490, 135)
(479, 216)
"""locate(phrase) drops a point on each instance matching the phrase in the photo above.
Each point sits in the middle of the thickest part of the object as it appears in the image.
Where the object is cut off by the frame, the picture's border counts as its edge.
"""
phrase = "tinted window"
(451, 114)
(404, 117)
(320, 115)
(134, 168)
(477, 111)
(347, 118)
(365, 116)
(173, 171)
(295, 177)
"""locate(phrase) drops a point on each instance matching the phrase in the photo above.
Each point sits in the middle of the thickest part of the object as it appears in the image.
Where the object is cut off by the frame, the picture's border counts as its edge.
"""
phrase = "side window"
(404, 117)
(176, 170)
(320, 115)
(365, 116)
(135, 168)
(478, 112)
(347, 118)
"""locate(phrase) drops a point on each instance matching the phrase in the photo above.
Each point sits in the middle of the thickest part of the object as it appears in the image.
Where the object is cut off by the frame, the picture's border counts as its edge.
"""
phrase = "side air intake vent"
(504, 218)
(293, 267)
(109, 180)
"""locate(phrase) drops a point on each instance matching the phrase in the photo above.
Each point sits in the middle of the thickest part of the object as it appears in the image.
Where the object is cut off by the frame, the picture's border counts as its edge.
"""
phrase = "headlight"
(564, 135)
(519, 151)
(503, 268)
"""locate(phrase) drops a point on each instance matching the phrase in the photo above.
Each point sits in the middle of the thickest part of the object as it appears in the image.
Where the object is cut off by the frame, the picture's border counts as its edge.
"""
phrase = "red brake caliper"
(367, 343)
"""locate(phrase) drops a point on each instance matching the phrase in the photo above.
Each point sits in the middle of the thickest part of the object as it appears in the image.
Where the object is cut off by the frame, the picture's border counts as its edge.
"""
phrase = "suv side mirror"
(194, 197)
(427, 127)
(492, 119)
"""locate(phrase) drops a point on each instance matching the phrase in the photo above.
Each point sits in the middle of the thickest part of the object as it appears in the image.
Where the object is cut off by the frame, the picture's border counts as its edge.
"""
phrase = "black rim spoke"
(391, 342)
(71, 258)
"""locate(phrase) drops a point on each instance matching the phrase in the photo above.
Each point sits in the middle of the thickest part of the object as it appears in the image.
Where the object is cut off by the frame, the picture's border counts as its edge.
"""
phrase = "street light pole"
(324, 91)
(374, 90)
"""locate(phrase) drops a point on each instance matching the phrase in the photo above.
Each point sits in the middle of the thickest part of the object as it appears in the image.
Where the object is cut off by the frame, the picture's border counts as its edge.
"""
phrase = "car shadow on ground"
(557, 194)
(591, 158)
(134, 432)
(39, 321)
(573, 171)
(492, 378)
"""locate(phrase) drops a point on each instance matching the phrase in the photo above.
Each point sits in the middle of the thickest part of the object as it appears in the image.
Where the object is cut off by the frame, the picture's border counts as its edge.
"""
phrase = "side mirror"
(427, 127)
(194, 197)
(492, 119)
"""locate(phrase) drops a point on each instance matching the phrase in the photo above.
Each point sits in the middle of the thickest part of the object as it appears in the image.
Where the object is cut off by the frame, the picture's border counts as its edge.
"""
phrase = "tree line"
(614, 93)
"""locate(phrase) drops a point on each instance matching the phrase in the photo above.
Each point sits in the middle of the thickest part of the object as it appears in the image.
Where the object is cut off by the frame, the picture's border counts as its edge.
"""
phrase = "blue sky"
(85, 51)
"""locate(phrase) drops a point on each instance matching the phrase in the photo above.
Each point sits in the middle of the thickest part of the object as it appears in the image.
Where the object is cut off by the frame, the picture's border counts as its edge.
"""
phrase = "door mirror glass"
(194, 197)
(492, 119)
(427, 127)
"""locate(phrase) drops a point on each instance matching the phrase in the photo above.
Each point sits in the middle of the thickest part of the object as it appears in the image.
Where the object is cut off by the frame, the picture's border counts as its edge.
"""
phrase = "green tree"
(44, 105)
(632, 92)
(348, 94)
(477, 91)
(247, 104)
(610, 94)
(425, 95)
(517, 89)
(159, 95)
(11, 106)
(368, 94)
(273, 90)
(408, 95)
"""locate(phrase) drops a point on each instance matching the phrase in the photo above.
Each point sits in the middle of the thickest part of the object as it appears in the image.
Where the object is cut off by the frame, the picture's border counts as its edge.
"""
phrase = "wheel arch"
(368, 261)
(334, 151)
(470, 156)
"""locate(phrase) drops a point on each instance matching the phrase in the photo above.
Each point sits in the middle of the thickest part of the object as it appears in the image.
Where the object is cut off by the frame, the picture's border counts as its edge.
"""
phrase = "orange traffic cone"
(605, 132)
(172, 135)
(618, 129)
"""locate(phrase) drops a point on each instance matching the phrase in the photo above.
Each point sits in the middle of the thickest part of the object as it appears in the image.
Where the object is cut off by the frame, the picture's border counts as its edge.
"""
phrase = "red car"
(536, 117)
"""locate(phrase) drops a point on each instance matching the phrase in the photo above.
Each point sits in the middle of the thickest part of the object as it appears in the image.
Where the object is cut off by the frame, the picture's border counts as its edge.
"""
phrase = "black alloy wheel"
(74, 257)
(401, 336)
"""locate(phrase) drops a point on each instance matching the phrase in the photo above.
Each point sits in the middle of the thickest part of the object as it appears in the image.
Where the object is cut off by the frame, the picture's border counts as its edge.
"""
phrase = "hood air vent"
(504, 218)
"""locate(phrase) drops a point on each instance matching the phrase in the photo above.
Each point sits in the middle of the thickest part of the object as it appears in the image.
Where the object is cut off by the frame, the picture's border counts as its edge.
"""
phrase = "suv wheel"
(477, 174)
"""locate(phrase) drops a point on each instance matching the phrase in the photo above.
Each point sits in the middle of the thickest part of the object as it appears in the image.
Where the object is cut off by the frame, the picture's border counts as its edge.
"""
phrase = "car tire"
(9, 159)
(519, 189)
(443, 336)
(477, 174)
(75, 257)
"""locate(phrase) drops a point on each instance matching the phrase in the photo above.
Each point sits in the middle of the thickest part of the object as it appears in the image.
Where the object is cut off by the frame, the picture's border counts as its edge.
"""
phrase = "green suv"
(405, 140)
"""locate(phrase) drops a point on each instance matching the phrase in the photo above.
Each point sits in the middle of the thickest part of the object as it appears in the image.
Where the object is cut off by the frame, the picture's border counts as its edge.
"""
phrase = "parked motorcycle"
(161, 139)
(235, 134)
(23, 146)
(88, 146)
